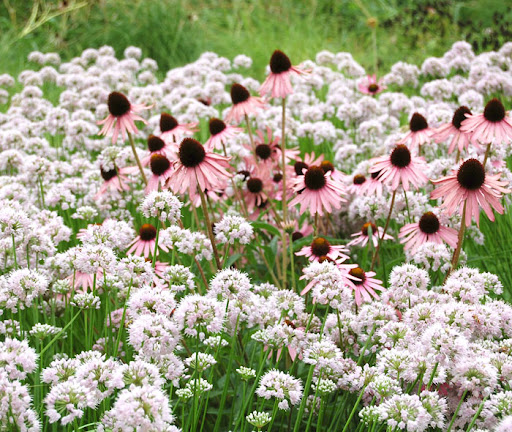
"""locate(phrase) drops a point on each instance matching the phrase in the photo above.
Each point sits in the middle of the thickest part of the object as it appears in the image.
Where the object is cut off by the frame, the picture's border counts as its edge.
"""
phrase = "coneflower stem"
(284, 201)
(407, 206)
(156, 239)
(249, 132)
(134, 150)
(487, 151)
(456, 252)
(480, 408)
(457, 411)
(210, 230)
(385, 229)
(458, 156)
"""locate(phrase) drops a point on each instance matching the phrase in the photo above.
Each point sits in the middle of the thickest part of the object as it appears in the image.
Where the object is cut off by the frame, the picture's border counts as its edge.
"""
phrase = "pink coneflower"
(114, 181)
(144, 243)
(370, 86)
(220, 132)
(161, 169)
(308, 160)
(320, 248)
(491, 127)
(470, 188)
(460, 139)
(172, 131)
(278, 81)
(364, 285)
(85, 281)
(197, 167)
(400, 168)
(427, 229)
(357, 184)
(336, 175)
(419, 132)
(362, 237)
(372, 185)
(243, 104)
(157, 145)
(317, 191)
(256, 192)
(301, 232)
(122, 116)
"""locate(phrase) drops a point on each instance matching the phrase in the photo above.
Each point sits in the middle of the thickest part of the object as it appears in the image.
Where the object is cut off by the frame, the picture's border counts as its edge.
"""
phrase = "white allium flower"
(405, 412)
(17, 358)
(246, 373)
(200, 361)
(162, 204)
(86, 301)
(259, 419)
(280, 385)
(232, 229)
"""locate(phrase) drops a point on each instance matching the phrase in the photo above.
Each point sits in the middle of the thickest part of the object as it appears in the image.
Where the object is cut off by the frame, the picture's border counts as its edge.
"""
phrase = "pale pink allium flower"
(472, 187)
(220, 133)
(278, 81)
(400, 168)
(492, 126)
(427, 229)
(370, 86)
(362, 237)
(197, 167)
(419, 133)
(122, 116)
(243, 104)
(459, 139)
(317, 191)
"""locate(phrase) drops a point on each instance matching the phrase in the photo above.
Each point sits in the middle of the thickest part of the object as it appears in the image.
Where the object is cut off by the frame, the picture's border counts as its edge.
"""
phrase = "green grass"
(175, 32)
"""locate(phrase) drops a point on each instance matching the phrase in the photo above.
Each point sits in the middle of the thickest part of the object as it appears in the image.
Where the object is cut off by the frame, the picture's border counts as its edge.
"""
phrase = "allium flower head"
(233, 229)
(280, 385)
(164, 205)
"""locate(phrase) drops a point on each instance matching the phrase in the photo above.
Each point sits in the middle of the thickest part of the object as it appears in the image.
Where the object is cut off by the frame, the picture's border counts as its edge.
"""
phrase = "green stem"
(354, 409)
(480, 408)
(383, 232)
(156, 238)
(210, 229)
(134, 150)
(58, 335)
(457, 411)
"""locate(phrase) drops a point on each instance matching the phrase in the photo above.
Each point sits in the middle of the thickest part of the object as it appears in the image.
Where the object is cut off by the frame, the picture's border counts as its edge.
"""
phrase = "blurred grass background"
(175, 32)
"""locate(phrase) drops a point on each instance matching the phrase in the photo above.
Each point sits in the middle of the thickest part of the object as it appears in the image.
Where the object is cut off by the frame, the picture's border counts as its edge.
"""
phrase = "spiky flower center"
(263, 151)
(401, 156)
(314, 179)
(277, 177)
(359, 179)
(297, 235)
(244, 173)
(320, 247)
(367, 226)
(239, 94)
(471, 174)
(216, 126)
(460, 115)
(107, 175)
(429, 223)
(417, 122)
(191, 152)
(327, 166)
(358, 272)
(299, 166)
(375, 174)
(147, 232)
(159, 164)
(494, 111)
(118, 104)
(254, 185)
(373, 88)
(167, 122)
(279, 62)
(155, 143)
